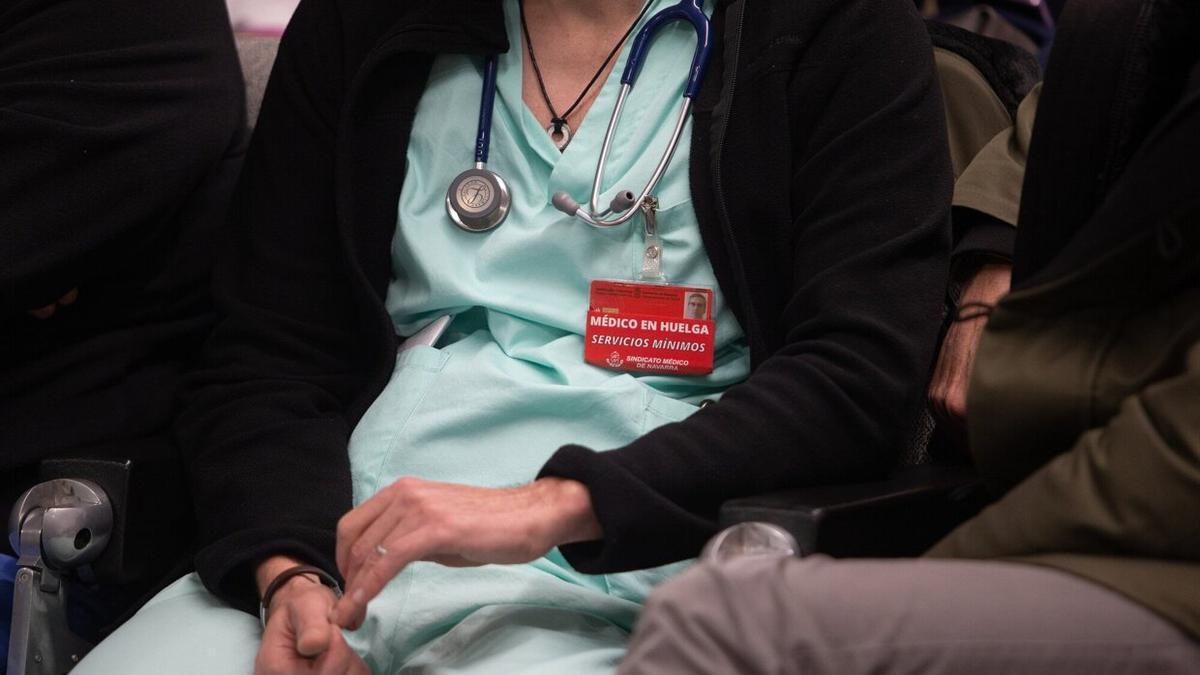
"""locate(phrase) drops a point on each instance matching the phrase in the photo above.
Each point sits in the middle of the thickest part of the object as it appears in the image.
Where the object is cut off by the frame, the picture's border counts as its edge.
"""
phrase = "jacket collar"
(461, 26)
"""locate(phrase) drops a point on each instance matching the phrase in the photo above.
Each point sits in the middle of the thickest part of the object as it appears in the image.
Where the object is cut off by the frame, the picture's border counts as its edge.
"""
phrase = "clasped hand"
(299, 637)
(412, 520)
(952, 375)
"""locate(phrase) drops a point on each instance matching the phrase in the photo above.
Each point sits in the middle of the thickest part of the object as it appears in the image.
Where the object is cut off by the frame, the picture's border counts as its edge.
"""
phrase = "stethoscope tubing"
(596, 218)
(686, 10)
(487, 101)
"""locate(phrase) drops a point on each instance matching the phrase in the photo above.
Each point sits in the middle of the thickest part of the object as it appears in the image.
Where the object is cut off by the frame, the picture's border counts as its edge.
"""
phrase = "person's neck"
(597, 15)
(577, 20)
(572, 39)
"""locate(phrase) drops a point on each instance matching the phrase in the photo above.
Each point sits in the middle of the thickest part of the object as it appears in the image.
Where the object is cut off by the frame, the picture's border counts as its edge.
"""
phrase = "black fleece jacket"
(122, 128)
(821, 182)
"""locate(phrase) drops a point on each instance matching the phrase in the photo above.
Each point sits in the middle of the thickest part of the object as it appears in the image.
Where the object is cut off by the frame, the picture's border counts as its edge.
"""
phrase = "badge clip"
(652, 247)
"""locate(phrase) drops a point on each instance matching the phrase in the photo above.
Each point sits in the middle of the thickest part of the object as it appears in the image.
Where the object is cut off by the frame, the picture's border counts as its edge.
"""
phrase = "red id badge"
(650, 328)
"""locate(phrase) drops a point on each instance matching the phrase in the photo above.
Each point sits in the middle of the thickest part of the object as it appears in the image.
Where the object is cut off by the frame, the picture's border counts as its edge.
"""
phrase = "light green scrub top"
(507, 386)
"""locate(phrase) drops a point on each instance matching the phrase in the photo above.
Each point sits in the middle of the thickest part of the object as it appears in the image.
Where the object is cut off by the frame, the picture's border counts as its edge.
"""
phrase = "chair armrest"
(121, 523)
(902, 515)
(113, 478)
(152, 523)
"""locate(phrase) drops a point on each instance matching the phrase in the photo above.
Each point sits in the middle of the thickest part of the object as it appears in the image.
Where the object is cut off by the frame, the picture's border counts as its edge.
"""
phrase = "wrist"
(295, 580)
(988, 284)
(272, 567)
(572, 517)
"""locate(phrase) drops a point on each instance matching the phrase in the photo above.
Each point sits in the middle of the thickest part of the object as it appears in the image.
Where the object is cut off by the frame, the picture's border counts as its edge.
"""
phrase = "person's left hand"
(48, 311)
(948, 387)
(299, 638)
(459, 525)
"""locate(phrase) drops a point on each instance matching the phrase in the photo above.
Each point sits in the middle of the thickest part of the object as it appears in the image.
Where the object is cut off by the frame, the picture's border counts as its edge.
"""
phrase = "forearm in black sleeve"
(264, 430)
(984, 237)
(836, 401)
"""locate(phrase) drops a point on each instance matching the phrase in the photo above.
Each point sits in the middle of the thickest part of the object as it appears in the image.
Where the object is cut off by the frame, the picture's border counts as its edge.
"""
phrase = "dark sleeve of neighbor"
(984, 236)
(110, 112)
(264, 416)
(836, 401)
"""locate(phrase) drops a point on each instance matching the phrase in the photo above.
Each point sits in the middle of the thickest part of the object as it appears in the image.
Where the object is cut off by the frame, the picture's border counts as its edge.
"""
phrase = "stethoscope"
(478, 199)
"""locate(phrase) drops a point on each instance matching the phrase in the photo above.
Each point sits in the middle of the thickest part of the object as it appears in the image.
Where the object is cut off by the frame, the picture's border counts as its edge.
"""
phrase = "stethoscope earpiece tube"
(565, 203)
(621, 203)
(686, 10)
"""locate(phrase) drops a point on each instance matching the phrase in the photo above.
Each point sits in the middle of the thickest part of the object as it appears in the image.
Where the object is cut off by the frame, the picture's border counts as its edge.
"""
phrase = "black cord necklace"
(559, 132)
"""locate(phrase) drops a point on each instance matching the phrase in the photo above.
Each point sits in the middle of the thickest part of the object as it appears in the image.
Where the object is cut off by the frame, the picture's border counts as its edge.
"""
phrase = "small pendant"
(560, 134)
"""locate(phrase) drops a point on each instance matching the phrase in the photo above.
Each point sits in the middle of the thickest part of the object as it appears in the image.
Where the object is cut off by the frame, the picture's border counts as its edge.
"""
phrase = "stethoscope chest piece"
(478, 200)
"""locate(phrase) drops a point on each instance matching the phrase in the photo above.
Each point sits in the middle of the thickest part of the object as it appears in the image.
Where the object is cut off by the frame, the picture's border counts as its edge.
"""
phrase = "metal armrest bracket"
(57, 528)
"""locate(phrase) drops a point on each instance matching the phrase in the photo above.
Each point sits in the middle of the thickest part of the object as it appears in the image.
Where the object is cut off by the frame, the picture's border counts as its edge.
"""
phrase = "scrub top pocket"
(662, 409)
(377, 433)
(636, 586)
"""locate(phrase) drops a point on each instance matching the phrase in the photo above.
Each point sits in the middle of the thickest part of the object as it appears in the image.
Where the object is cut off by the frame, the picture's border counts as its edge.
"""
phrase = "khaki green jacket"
(990, 182)
(1085, 406)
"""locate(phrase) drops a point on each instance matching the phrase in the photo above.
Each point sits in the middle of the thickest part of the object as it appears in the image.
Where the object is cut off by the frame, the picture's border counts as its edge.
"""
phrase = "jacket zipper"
(753, 332)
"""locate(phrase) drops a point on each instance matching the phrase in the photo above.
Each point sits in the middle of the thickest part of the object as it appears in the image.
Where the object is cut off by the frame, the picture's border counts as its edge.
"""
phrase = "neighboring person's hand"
(948, 388)
(456, 525)
(48, 311)
(299, 636)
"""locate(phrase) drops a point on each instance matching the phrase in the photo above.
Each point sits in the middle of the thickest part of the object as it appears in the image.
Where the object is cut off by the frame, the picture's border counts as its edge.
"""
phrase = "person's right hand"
(299, 637)
(952, 375)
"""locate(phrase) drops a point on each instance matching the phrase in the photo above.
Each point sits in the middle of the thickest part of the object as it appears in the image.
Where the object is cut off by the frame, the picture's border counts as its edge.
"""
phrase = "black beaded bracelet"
(972, 310)
(325, 578)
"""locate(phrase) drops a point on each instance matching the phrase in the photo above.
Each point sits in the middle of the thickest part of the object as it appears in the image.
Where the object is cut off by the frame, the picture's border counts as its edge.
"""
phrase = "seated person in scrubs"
(502, 499)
